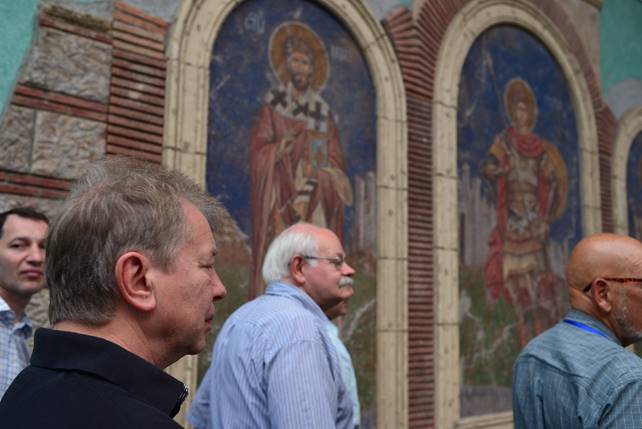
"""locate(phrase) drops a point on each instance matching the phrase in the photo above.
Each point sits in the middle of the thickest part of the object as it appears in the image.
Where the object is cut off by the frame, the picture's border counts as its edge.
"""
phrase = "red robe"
(527, 146)
(272, 177)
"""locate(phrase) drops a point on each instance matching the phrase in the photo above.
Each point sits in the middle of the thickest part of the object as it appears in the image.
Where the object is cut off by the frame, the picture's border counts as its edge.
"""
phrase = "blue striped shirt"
(577, 376)
(273, 366)
(14, 354)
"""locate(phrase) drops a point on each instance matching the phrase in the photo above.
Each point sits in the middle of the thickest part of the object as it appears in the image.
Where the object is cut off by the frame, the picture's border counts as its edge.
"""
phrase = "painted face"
(22, 256)
(188, 288)
(299, 67)
(520, 115)
(324, 282)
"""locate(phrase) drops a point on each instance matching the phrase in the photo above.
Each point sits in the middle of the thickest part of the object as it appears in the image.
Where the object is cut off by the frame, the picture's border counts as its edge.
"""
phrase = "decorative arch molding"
(192, 37)
(462, 30)
(629, 127)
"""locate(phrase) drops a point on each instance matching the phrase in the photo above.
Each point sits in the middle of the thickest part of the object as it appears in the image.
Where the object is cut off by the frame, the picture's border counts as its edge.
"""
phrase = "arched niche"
(192, 36)
(630, 125)
(471, 21)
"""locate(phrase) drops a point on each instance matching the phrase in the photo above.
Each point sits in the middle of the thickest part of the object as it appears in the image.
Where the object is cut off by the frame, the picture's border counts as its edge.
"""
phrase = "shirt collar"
(580, 316)
(332, 328)
(7, 316)
(291, 291)
(70, 351)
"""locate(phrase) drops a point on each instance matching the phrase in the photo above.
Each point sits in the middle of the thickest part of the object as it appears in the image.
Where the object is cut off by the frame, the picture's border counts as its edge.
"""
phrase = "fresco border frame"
(629, 126)
(472, 20)
(188, 54)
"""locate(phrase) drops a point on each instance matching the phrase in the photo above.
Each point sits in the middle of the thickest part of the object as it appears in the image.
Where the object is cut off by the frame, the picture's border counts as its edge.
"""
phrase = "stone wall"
(89, 87)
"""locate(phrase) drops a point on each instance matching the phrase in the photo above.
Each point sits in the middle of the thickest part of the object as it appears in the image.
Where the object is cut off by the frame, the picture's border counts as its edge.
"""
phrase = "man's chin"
(346, 291)
(300, 85)
(27, 289)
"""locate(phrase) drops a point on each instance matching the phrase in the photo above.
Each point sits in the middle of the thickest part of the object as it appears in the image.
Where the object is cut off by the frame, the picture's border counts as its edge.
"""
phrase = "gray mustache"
(345, 281)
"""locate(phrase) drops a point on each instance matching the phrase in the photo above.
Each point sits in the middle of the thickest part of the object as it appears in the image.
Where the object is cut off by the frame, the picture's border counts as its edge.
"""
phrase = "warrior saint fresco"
(296, 160)
(530, 181)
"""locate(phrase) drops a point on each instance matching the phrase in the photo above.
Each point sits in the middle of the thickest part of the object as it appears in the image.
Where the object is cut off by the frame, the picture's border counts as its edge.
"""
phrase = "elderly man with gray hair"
(274, 365)
(130, 267)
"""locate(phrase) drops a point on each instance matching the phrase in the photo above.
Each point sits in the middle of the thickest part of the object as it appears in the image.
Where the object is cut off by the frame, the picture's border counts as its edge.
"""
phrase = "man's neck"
(124, 335)
(607, 321)
(17, 303)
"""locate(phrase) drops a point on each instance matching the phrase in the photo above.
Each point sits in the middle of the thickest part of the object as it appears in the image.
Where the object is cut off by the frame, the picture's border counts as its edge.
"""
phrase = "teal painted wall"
(620, 42)
(16, 31)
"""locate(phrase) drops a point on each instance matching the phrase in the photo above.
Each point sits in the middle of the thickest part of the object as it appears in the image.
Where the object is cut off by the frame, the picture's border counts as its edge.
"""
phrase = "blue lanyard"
(585, 327)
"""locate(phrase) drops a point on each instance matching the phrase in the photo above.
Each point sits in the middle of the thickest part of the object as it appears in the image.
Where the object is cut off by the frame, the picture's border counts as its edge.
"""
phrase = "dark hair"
(24, 212)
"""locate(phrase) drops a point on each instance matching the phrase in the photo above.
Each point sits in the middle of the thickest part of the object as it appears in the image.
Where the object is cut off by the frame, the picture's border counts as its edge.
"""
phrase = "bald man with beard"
(578, 373)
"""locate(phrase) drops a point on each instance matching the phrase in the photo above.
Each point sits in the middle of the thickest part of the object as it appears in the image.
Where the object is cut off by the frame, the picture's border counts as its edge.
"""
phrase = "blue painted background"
(240, 77)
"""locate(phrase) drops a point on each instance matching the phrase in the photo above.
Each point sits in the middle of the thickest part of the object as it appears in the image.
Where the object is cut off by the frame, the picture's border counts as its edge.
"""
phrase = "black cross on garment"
(300, 109)
(278, 98)
(318, 116)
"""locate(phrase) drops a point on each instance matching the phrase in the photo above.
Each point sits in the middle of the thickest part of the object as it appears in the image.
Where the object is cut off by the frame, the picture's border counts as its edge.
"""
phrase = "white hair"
(293, 241)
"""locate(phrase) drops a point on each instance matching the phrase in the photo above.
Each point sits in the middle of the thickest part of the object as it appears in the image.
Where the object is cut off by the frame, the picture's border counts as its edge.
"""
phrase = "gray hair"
(296, 240)
(118, 205)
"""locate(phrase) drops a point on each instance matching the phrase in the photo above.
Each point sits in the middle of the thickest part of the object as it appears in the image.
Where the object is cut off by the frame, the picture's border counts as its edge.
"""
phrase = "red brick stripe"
(56, 24)
(139, 14)
(136, 110)
(30, 185)
(59, 103)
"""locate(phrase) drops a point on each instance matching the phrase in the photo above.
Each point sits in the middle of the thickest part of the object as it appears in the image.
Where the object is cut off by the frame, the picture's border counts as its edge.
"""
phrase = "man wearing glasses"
(273, 364)
(578, 374)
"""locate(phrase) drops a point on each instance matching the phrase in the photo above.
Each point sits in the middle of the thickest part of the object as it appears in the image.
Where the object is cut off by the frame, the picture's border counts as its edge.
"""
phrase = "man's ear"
(132, 272)
(602, 295)
(296, 270)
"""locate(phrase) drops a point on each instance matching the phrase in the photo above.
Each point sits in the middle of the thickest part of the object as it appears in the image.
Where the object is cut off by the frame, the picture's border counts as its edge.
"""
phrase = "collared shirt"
(347, 371)
(14, 354)
(577, 375)
(79, 381)
(273, 366)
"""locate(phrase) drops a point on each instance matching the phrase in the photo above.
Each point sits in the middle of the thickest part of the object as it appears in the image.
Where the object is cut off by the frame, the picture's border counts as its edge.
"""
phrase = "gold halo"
(518, 87)
(277, 55)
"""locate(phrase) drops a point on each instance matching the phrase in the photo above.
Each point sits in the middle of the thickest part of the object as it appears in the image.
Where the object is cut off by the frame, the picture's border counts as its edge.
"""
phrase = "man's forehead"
(18, 226)
(329, 242)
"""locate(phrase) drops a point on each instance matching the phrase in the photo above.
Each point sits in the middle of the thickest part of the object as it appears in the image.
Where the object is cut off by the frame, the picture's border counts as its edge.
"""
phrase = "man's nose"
(348, 270)
(36, 255)
(219, 289)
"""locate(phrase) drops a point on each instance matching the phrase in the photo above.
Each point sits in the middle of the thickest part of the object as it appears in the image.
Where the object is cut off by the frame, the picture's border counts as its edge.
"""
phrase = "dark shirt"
(79, 381)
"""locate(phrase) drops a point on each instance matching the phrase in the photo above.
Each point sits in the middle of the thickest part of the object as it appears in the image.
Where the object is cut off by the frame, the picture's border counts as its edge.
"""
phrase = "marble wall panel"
(16, 134)
(70, 64)
(63, 145)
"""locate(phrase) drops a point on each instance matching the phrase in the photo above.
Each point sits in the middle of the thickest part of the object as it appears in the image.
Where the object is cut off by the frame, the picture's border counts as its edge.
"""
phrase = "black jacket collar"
(62, 350)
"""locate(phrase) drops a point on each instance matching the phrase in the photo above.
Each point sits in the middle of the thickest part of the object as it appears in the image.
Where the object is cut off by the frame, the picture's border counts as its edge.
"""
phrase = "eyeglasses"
(615, 279)
(337, 261)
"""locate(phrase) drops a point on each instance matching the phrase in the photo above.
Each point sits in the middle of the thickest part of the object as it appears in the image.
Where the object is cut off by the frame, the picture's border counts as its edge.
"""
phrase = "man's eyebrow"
(26, 238)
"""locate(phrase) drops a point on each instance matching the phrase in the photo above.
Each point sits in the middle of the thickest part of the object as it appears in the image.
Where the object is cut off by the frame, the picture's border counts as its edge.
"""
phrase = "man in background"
(130, 268)
(578, 374)
(345, 362)
(274, 365)
(23, 232)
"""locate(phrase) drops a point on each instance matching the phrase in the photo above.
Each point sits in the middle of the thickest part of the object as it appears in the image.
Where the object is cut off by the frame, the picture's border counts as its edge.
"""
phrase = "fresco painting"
(519, 209)
(634, 196)
(292, 137)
